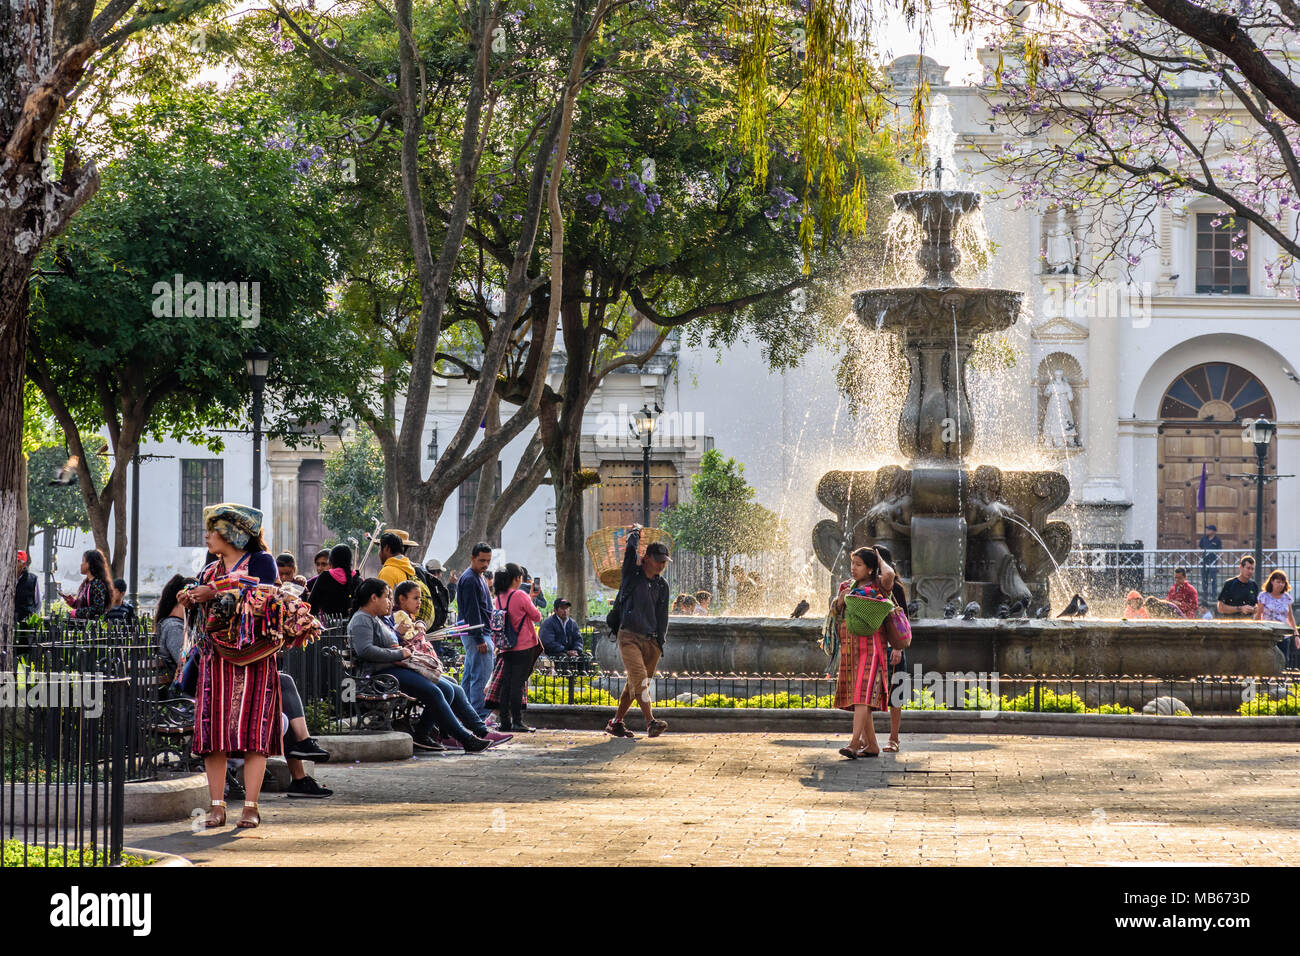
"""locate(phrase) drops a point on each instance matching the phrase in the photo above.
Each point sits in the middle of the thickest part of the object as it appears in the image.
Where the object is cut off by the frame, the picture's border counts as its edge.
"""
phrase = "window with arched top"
(1216, 392)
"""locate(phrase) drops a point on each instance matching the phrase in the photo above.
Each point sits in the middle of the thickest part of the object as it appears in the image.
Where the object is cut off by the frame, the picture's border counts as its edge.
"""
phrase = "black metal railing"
(64, 749)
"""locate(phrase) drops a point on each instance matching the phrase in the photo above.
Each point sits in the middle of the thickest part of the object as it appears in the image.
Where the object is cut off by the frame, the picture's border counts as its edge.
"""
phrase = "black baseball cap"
(560, 602)
(657, 550)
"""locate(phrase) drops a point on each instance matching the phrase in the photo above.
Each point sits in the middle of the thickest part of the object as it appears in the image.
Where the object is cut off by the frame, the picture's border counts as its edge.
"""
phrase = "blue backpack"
(504, 636)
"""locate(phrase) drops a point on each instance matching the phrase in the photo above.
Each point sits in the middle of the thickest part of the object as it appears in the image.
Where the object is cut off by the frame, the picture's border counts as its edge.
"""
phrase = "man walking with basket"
(640, 619)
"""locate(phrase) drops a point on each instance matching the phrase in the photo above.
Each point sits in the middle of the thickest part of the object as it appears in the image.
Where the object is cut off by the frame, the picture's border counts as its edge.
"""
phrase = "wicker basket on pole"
(606, 549)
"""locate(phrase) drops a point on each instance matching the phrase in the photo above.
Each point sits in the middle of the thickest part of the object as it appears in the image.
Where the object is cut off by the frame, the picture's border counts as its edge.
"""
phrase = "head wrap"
(236, 523)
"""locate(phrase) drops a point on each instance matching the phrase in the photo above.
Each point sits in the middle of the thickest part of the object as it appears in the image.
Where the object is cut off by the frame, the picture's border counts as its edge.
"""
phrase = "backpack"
(427, 610)
(504, 635)
(438, 596)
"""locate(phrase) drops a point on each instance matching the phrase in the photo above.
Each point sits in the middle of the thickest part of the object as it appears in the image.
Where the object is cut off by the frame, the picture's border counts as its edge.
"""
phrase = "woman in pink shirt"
(514, 635)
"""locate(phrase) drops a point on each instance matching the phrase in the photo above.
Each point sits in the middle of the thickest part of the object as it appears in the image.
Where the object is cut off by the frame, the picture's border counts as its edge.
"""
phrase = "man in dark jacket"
(27, 591)
(643, 624)
(560, 634)
(474, 604)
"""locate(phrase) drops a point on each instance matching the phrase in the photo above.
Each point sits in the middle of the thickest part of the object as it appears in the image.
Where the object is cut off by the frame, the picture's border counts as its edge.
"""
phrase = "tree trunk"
(23, 533)
(13, 338)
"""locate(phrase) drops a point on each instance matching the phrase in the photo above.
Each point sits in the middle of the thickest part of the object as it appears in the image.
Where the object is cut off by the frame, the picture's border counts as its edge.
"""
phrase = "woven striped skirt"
(863, 677)
(237, 709)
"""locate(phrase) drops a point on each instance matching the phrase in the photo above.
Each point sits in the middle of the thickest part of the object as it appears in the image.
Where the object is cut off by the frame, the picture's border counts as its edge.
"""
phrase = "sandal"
(864, 752)
(216, 814)
(245, 821)
(849, 752)
(892, 746)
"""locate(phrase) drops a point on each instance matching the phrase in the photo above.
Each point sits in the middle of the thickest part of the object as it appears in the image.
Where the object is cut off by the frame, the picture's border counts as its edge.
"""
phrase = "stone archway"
(1201, 418)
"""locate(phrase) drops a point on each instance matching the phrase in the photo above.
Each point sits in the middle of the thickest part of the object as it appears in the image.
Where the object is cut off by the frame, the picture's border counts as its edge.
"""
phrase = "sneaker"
(426, 743)
(476, 745)
(307, 750)
(308, 787)
(655, 728)
(493, 720)
(493, 737)
(451, 743)
(520, 727)
(616, 728)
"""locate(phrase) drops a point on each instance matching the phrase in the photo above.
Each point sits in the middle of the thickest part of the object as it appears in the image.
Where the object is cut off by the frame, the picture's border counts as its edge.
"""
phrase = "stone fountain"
(957, 534)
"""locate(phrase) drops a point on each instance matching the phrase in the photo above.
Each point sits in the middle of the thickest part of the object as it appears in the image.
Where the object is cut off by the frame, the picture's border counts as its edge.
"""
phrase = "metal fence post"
(117, 793)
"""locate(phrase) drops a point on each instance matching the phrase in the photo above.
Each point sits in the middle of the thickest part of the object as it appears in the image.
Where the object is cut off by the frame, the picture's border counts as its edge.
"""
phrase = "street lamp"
(643, 427)
(257, 363)
(1261, 432)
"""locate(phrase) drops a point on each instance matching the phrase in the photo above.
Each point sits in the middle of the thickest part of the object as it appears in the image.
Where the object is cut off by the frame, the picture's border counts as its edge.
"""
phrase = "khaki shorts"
(640, 655)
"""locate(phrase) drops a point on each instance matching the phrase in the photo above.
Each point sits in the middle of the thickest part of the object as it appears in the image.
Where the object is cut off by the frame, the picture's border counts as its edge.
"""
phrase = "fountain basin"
(923, 312)
(1049, 648)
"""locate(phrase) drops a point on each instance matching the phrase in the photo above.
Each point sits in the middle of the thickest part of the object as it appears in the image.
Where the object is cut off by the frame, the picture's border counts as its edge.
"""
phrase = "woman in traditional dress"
(862, 683)
(236, 709)
(94, 597)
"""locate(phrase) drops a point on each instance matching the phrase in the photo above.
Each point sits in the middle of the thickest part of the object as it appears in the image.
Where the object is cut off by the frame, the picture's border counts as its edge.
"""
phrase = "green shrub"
(320, 716)
(1049, 702)
(57, 856)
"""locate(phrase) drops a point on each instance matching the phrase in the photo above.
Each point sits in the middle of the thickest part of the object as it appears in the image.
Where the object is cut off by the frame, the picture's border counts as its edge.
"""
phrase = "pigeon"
(972, 611)
(1042, 612)
(1077, 607)
(800, 609)
(1003, 612)
(913, 609)
(1019, 609)
(949, 612)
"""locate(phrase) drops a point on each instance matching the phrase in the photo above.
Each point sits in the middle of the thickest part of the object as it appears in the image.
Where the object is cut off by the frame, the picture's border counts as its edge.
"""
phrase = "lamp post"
(257, 363)
(643, 427)
(1262, 433)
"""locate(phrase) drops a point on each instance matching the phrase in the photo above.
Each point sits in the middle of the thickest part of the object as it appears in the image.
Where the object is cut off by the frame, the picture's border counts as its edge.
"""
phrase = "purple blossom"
(593, 198)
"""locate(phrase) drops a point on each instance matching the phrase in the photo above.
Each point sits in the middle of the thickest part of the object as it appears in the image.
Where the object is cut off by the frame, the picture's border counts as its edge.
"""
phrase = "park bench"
(378, 699)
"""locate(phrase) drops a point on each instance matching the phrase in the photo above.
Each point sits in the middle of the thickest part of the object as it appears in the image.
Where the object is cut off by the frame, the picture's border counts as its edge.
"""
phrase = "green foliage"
(58, 506)
(320, 716)
(1262, 705)
(352, 494)
(1049, 702)
(16, 853)
(721, 520)
(204, 185)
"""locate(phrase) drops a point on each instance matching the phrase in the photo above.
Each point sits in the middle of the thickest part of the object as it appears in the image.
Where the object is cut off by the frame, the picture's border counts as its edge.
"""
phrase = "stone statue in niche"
(1061, 248)
(1059, 430)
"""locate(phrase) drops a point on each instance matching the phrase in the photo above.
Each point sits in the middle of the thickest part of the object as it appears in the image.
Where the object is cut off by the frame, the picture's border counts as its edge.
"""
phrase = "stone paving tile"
(758, 799)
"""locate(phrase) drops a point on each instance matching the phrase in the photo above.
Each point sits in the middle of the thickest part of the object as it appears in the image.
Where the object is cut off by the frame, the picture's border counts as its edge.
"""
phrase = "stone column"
(284, 501)
(1104, 502)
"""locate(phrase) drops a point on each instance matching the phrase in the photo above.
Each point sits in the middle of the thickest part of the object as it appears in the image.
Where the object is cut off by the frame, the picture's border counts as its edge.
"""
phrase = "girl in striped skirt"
(862, 682)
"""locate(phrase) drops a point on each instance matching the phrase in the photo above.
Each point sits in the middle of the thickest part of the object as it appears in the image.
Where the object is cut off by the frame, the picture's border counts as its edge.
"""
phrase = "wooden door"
(620, 492)
(1229, 502)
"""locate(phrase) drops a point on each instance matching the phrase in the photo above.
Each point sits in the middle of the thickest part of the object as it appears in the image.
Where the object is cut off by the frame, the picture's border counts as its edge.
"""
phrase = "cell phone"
(537, 583)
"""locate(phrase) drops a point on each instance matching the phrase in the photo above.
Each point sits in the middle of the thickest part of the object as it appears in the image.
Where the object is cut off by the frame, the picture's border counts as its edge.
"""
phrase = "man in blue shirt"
(560, 635)
(474, 604)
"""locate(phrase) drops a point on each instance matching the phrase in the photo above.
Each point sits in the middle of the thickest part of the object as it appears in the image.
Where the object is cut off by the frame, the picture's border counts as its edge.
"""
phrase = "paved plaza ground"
(709, 799)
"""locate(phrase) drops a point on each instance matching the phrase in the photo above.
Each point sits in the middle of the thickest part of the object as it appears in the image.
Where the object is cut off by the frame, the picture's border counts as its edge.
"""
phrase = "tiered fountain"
(957, 535)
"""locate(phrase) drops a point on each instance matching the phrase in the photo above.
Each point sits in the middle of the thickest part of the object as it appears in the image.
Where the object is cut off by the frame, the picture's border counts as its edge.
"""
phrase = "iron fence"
(1208, 695)
(1116, 569)
(65, 718)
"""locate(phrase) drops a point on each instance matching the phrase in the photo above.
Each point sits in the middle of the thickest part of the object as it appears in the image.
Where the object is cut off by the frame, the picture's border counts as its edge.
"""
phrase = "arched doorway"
(1202, 414)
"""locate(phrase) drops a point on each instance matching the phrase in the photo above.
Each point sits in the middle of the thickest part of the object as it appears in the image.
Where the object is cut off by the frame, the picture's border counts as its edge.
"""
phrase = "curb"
(771, 720)
(367, 748)
(159, 858)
